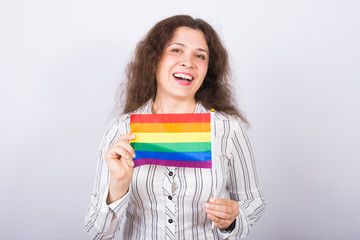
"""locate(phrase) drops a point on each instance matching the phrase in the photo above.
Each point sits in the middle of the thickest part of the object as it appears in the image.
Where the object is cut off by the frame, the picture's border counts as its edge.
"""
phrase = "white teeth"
(184, 76)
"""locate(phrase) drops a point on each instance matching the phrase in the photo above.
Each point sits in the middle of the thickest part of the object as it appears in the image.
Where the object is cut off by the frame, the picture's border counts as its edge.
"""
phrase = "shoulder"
(117, 125)
(229, 127)
(231, 121)
(118, 120)
(125, 118)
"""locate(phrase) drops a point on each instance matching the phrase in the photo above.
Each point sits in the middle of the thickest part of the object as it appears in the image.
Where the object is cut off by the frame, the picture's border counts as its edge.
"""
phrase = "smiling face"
(183, 65)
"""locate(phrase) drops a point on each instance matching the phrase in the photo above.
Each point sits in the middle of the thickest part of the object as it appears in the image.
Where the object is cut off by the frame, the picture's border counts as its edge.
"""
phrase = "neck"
(161, 106)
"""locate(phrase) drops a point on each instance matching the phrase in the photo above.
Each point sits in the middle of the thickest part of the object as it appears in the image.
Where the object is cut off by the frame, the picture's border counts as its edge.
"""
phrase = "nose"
(187, 62)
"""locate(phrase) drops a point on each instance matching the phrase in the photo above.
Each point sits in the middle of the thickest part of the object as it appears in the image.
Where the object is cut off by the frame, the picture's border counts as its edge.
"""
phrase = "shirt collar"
(146, 108)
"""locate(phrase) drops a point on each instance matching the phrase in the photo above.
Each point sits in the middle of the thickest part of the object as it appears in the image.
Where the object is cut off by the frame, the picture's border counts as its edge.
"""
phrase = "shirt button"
(170, 197)
(170, 221)
(171, 173)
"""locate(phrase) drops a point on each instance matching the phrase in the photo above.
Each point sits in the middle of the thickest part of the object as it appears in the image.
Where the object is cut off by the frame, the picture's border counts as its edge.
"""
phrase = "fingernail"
(132, 163)
(127, 157)
(134, 156)
(212, 200)
(206, 205)
(132, 136)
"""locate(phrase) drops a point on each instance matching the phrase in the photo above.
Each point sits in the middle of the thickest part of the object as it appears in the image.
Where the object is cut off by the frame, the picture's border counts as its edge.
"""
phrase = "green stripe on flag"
(173, 147)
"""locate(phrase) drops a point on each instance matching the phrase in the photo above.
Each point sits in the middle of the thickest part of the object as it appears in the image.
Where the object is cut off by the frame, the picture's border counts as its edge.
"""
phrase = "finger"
(126, 137)
(222, 225)
(127, 147)
(124, 141)
(220, 215)
(221, 201)
(219, 208)
(225, 205)
(116, 152)
(119, 169)
(119, 164)
(222, 206)
(128, 164)
(218, 222)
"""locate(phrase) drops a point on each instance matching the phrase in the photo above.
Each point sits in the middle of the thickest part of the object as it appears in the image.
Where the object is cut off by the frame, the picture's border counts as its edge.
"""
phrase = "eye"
(176, 50)
(202, 57)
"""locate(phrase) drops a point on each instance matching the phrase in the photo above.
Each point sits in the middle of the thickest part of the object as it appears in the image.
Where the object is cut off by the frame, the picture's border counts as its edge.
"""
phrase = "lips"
(183, 78)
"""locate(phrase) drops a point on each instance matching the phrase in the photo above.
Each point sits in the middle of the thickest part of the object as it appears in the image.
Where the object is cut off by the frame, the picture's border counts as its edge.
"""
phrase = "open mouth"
(183, 77)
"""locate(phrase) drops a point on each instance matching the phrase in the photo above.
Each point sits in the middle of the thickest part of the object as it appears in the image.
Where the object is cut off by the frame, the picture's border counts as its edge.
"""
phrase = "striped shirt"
(168, 202)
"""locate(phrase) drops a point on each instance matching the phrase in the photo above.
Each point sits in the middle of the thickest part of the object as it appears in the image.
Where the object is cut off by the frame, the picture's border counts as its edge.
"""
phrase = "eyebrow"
(181, 44)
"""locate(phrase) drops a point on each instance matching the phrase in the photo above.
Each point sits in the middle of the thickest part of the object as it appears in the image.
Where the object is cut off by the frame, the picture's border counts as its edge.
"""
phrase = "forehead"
(192, 38)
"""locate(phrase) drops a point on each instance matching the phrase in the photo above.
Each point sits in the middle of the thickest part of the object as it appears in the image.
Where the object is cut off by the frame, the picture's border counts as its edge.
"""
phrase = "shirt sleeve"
(102, 220)
(243, 184)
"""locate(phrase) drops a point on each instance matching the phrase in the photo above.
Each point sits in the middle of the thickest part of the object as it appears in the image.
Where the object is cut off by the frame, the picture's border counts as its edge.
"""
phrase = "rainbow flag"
(177, 140)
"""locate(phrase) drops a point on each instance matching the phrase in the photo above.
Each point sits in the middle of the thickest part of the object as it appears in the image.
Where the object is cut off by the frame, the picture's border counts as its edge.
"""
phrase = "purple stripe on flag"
(177, 156)
(172, 163)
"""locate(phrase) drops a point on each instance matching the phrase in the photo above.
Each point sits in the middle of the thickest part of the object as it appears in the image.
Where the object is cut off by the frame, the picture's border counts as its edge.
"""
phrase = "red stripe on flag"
(170, 118)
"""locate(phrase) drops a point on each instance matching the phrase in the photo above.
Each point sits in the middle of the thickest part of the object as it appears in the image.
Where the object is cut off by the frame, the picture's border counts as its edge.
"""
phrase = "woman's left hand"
(222, 212)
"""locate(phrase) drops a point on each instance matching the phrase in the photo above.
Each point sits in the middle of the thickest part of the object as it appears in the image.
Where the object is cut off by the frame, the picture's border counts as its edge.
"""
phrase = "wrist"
(231, 227)
(117, 190)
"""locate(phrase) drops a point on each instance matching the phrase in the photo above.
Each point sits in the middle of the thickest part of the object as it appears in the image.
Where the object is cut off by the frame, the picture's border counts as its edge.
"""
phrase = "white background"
(296, 67)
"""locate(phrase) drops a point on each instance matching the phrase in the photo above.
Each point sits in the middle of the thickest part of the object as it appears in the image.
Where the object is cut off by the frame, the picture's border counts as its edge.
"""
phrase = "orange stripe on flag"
(170, 127)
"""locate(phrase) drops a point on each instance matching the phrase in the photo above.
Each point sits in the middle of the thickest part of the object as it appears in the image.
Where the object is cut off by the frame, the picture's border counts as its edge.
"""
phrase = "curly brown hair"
(140, 85)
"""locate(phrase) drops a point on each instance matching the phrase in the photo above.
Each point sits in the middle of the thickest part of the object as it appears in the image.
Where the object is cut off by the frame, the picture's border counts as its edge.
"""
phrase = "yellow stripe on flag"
(172, 137)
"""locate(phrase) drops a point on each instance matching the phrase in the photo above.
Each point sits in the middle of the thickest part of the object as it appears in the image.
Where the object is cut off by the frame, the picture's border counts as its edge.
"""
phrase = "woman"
(179, 67)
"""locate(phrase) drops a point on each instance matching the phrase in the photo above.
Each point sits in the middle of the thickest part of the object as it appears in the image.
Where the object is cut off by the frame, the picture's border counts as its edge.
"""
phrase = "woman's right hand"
(121, 167)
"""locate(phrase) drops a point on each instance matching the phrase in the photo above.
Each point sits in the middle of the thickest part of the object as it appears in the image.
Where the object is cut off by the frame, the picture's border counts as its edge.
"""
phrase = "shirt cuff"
(230, 231)
(119, 206)
(225, 233)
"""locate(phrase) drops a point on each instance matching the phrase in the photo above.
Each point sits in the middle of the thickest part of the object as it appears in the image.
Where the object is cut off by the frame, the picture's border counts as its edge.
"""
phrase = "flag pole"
(213, 159)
